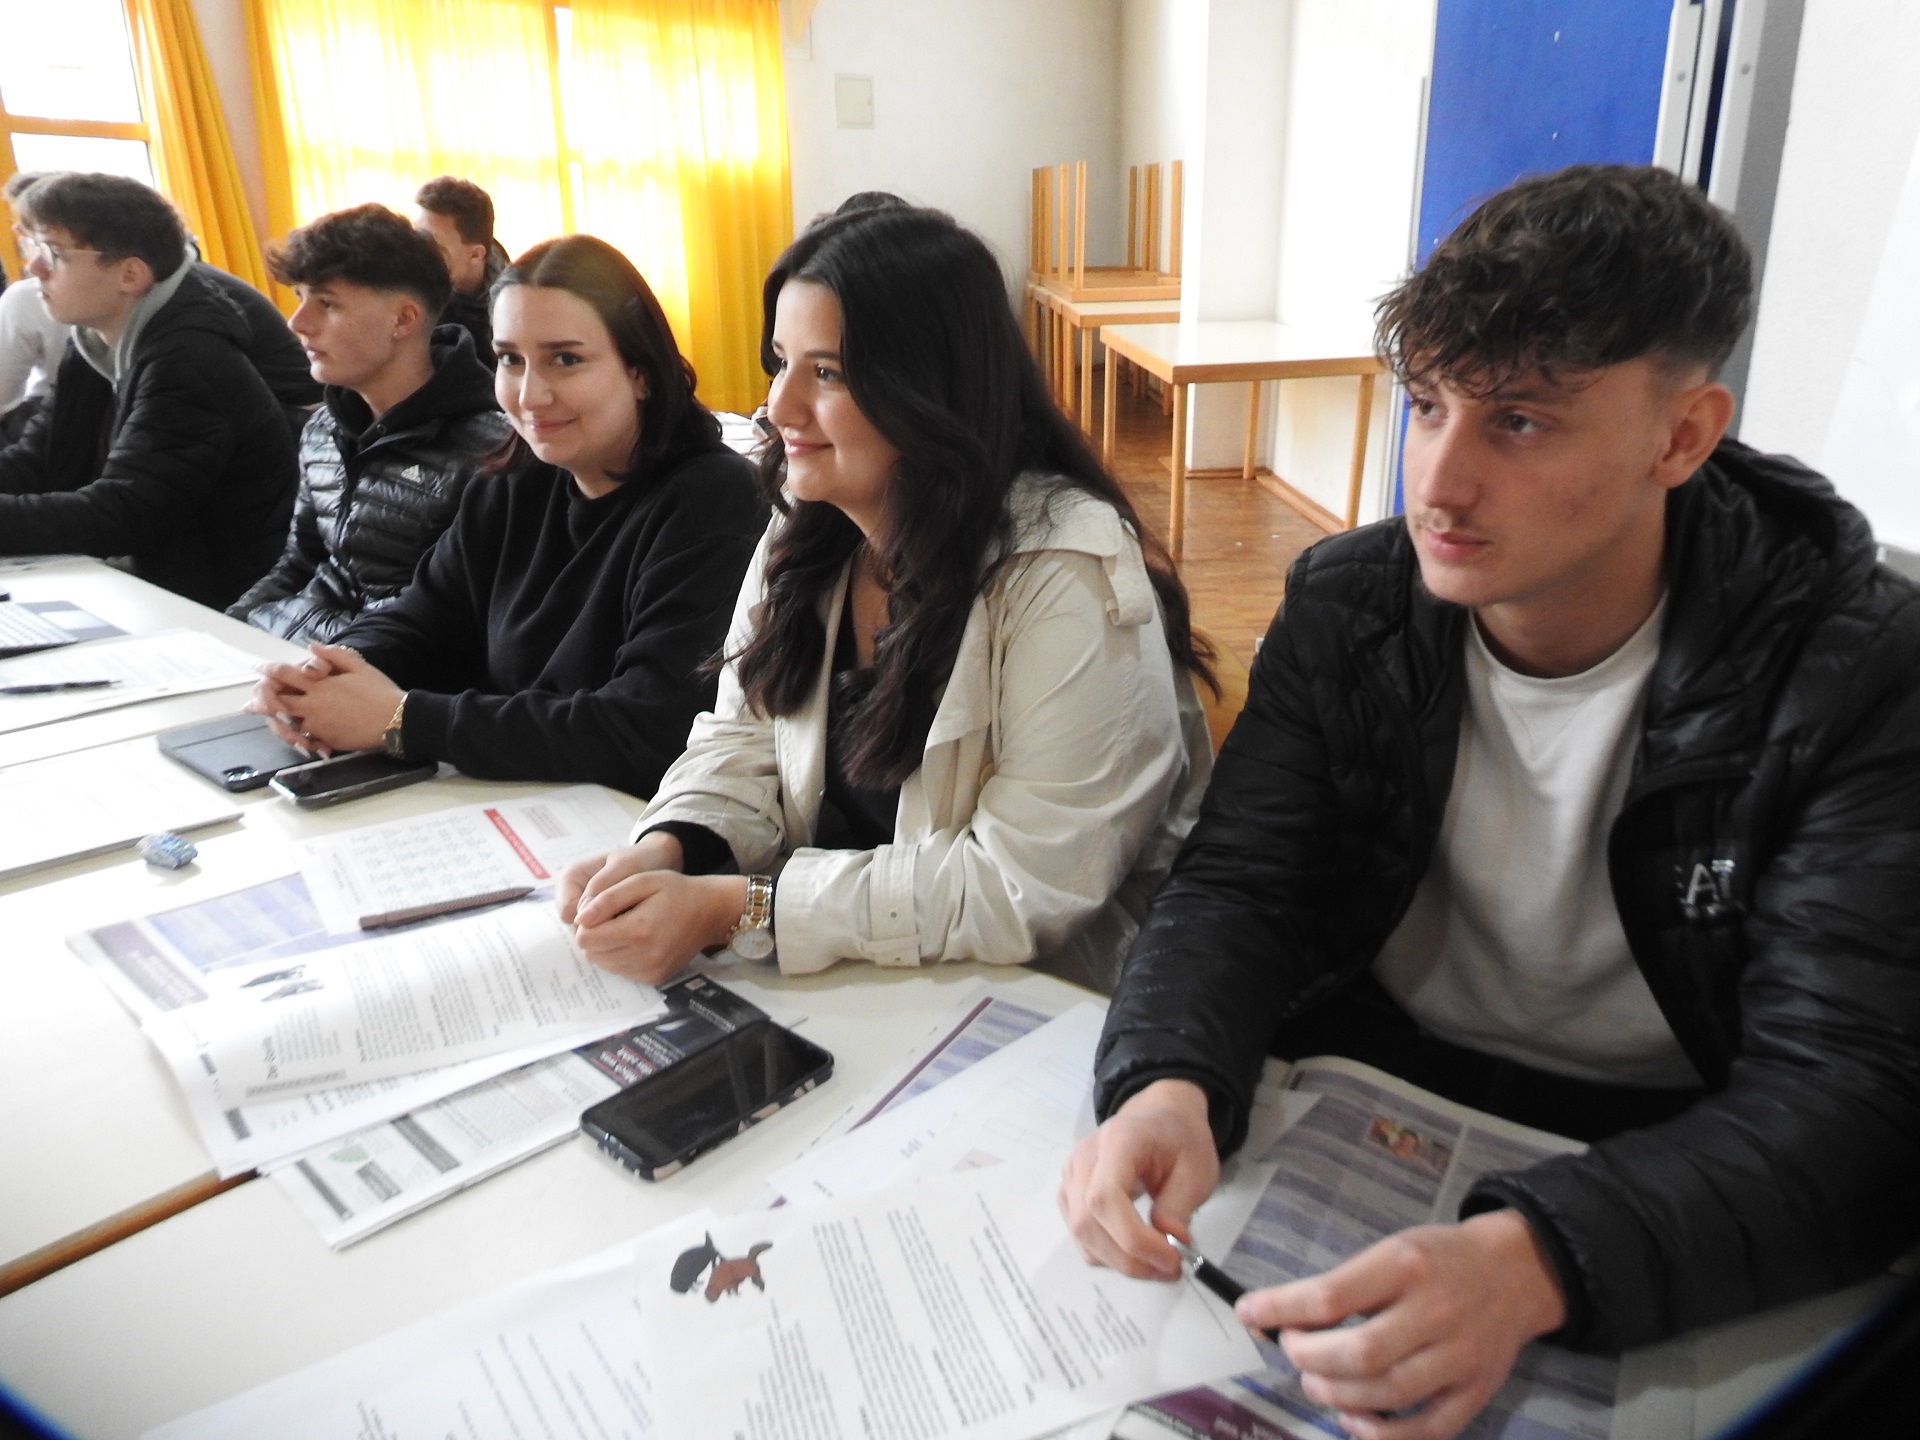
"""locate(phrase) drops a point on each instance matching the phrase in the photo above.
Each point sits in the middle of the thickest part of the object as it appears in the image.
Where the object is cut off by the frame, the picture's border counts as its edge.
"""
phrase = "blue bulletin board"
(1524, 86)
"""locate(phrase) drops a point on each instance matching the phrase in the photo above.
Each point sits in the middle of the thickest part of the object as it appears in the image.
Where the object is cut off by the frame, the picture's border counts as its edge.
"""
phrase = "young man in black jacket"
(457, 215)
(408, 420)
(1586, 795)
(162, 442)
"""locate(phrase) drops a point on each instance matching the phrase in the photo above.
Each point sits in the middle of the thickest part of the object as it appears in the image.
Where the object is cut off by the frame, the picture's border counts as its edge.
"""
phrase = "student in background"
(557, 630)
(957, 716)
(409, 417)
(458, 215)
(162, 443)
(31, 341)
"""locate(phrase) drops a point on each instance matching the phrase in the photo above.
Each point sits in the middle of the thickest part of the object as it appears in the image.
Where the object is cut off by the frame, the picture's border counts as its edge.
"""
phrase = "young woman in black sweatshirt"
(557, 630)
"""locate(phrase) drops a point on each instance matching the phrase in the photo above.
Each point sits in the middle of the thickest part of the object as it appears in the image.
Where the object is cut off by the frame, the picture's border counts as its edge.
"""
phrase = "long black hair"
(934, 360)
(673, 423)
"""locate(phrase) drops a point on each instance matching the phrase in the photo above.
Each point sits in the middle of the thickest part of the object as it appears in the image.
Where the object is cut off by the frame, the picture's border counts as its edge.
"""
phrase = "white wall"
(1356, 97)
(1852, 128)
(969, 96)
(1160, 42)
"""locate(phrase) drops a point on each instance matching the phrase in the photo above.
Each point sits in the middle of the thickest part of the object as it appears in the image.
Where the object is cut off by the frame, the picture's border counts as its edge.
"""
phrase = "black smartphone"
(658, 1124)
(348, 777)
(236, 752)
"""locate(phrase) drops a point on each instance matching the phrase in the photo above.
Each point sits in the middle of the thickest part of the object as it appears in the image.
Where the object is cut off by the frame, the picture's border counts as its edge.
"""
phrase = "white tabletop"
(240, 1290)
(139, 609)
(90, 1118)
(1239, 342)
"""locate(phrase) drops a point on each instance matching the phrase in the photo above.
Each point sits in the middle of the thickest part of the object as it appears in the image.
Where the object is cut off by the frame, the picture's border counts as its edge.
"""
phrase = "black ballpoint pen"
(52, 687)
(1213, 1277)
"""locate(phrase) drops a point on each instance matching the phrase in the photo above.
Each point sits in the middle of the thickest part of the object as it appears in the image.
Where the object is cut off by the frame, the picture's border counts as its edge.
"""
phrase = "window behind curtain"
(658, 125)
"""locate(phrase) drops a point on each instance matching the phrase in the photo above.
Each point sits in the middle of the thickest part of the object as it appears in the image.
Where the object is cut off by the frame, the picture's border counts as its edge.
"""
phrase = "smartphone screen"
(366, 772)
(658, 1124)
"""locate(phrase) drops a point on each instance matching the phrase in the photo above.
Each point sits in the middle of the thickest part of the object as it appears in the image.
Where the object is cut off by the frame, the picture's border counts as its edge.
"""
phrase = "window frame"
(11, 125)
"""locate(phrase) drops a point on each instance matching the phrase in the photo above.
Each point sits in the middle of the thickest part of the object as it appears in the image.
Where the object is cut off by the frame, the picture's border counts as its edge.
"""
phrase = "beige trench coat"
(1064, 766)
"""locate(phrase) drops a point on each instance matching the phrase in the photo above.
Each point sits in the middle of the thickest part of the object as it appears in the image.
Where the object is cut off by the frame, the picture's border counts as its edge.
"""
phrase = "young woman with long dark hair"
(957, 715)
(557, 630)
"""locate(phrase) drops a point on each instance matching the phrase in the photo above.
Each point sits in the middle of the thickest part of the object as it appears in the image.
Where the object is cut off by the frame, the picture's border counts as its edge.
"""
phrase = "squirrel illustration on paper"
(726, 1277)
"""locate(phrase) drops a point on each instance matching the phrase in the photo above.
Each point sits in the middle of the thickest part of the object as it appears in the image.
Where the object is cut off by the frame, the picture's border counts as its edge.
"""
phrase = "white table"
(116, 1148)
(139, 609)
(1255, 351)
(240, 1290)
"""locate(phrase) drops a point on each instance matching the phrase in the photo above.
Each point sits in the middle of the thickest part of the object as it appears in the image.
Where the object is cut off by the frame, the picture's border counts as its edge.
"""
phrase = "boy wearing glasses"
(162, 443)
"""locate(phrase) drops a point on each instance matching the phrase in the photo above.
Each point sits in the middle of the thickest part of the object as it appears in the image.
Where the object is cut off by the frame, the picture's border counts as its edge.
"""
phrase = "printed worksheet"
(557, 1356)
(95, 801)
(418, 1000)
(916, 1312)
(141, 667)
(373, 875)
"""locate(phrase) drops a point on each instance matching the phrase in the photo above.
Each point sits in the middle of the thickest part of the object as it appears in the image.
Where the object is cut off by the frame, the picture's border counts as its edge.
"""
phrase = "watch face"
(754, 944)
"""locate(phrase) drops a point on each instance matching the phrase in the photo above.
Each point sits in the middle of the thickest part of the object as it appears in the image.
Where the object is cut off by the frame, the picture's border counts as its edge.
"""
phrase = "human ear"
(407, 315)
(1700, 416)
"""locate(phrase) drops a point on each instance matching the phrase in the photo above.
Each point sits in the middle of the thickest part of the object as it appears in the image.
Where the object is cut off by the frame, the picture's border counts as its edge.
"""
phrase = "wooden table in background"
(1064, 319)
(1254, 351)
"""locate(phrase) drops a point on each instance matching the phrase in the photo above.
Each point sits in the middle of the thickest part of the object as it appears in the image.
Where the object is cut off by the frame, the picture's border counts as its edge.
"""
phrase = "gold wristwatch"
(390, 738)
(752, 937)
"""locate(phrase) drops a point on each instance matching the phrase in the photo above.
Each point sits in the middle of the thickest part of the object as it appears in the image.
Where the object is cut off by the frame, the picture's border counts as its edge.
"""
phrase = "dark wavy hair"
(673, 423)
(1558, 274)
(367, 245)
(119, 217)
(934, 359)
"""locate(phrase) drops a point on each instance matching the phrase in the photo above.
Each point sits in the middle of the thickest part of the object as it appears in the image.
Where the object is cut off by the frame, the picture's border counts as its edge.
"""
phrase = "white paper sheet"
(171, 662)
(557, 1356)
(94, 801)
(962, 1309)
(1050, 1067)
(450, 854)
(421, 999)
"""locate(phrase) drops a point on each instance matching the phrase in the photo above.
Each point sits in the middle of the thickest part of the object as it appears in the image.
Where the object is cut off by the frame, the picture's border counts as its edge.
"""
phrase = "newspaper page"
(358, 876)
(435, 996)
(142, 667)
(960, 1309)
(367, 1180)
(557, 1356)
(1372, 1156)
(94, 801)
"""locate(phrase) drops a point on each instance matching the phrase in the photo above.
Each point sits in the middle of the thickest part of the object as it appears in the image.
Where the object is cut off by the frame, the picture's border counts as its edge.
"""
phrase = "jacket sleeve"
(159, 473)
(1221, 959)
(265, 603)
(627, 731)
(1799, 1176)
(1088, 749)
(23, 465)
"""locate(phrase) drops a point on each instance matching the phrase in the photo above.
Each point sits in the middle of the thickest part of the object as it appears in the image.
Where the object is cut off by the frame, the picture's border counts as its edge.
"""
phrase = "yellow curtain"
(677, 112)
(362, 100)
(192, 161)
(658, 125)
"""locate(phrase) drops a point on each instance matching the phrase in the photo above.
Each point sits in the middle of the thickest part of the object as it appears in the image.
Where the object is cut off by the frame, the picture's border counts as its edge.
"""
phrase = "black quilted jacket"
(1765, 863)
(375, 495)
(187, 466)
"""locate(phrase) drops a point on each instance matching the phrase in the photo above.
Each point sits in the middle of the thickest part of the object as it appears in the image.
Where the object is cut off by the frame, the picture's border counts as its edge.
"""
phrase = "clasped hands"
(635, 913)
(1447, 1307)
(331, 701)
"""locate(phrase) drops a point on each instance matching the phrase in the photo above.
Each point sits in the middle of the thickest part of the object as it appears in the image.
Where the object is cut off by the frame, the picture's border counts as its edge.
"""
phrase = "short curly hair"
(1561, 274)
(368, 245)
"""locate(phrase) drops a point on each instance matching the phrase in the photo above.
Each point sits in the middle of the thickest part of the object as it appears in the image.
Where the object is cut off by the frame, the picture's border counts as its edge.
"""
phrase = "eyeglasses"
(32, 248)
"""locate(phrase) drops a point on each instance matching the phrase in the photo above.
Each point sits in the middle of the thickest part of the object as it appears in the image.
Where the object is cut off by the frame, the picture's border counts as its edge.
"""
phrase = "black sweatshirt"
(547, 636)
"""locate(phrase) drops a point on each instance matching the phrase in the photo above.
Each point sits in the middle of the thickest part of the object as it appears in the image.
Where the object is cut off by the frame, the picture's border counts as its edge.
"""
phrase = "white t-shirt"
(31, 342)
(1513, 944)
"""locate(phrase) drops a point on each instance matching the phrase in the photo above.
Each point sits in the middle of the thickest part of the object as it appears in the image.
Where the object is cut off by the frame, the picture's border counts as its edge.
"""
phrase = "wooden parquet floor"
(1240, 538)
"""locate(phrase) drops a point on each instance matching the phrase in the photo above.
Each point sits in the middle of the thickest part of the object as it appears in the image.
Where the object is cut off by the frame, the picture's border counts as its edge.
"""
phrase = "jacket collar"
(459, 385)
